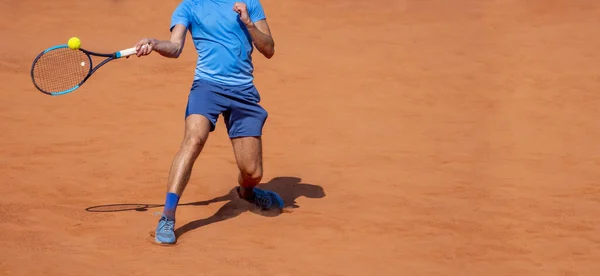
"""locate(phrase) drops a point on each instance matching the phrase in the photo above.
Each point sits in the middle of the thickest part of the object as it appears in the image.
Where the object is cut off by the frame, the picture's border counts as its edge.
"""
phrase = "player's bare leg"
(197, 128)
(248, 154)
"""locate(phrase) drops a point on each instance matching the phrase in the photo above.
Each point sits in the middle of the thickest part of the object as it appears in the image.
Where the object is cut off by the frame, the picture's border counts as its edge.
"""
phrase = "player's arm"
(168, 48)
(259, 31)
(262, 38)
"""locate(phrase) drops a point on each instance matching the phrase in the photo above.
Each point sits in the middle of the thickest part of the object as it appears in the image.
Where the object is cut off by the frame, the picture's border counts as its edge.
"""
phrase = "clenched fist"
(242, 10)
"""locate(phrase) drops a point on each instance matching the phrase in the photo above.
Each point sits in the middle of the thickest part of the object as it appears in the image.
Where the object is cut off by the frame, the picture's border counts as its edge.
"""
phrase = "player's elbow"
(269, 52)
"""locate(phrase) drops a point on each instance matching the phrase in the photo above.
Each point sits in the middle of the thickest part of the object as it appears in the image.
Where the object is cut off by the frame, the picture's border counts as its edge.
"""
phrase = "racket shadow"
(141, 207)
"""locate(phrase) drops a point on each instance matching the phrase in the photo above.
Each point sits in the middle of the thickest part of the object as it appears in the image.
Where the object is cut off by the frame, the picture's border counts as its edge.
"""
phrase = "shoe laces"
(168, 225)
(262, 200)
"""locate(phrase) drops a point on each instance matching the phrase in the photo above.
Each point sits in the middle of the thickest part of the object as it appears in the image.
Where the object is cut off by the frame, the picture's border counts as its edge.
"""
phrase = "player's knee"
(252, 173)
(193, 143)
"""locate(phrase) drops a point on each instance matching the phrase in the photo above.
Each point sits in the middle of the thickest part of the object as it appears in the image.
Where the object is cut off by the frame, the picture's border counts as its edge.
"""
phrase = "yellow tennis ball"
(74, 43)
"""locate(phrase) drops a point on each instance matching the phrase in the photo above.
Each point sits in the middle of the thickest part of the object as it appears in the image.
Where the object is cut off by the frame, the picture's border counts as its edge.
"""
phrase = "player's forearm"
(168, 48)
(263, 42)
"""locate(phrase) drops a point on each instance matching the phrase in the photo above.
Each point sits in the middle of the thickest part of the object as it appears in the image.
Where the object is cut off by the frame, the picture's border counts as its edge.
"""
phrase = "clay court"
(424, 137)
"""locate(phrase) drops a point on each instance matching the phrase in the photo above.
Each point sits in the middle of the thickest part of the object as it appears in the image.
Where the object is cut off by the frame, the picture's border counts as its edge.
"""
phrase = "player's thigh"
(245, 121)
(248, 154)
(206, 99)
(197, 128)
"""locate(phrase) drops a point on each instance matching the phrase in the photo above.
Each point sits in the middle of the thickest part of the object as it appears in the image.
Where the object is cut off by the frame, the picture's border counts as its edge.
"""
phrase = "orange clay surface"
(427, 137)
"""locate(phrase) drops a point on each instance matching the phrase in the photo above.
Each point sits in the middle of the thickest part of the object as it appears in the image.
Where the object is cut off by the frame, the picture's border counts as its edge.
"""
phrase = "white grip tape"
(126, 52)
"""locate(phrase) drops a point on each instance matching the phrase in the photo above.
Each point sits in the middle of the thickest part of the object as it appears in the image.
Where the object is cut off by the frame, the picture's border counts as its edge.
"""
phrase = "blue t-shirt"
(222, 41)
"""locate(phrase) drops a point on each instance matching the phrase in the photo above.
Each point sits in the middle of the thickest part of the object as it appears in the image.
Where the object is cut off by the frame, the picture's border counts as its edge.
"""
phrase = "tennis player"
(224, 33)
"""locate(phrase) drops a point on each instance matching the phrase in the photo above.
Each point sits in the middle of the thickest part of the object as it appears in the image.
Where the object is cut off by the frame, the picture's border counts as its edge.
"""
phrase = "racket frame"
(109, 57)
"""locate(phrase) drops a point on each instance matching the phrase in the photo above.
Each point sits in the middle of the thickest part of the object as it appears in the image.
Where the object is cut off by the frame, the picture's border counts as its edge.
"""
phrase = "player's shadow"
(289, 188)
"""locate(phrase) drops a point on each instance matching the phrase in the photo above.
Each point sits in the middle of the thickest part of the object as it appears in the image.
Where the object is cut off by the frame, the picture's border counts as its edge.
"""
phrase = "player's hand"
(242, 10)
(145, 46)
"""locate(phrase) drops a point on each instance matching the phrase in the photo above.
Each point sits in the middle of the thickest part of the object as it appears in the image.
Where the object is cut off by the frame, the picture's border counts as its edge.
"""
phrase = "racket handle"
(126, 52)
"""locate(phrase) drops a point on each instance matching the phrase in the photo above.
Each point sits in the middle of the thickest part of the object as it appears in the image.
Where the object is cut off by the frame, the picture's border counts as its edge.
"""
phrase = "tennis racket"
(60, 70)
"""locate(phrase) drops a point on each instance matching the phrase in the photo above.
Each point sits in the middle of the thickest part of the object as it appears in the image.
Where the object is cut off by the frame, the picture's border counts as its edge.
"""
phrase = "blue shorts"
(239, 106)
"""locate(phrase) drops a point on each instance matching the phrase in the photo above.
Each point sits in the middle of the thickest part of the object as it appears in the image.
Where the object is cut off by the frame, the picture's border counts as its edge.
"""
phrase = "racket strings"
(60, 70)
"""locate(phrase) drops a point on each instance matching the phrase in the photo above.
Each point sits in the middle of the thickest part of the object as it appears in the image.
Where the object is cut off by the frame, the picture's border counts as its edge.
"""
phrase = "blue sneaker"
(266, 199)
(165, 231)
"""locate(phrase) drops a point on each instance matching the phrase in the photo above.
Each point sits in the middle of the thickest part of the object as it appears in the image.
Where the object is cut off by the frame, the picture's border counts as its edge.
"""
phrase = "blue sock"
(171, 205)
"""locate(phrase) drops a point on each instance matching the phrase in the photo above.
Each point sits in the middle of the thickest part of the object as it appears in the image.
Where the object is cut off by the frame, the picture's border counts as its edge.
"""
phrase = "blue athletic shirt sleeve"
(181, 15)
(255, 10)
